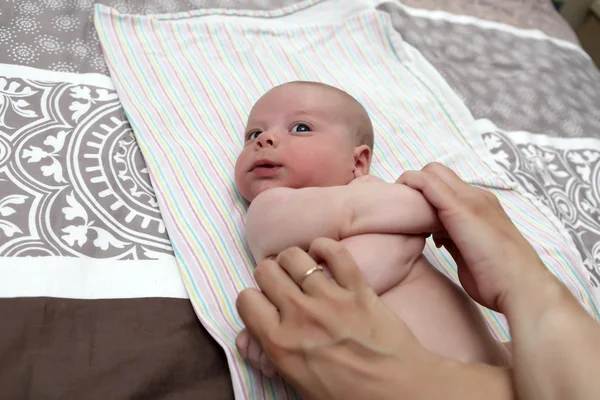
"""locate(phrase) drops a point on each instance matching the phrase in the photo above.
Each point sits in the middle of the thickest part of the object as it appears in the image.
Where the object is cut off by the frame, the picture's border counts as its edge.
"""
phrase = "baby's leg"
(443, 317)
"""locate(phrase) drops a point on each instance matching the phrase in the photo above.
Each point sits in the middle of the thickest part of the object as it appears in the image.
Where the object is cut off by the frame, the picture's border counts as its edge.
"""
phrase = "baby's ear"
(362, 160)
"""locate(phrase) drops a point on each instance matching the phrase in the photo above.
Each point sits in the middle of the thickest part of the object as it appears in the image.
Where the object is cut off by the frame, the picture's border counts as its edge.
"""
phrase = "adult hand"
(554, 339)
(334, 338)
(494, 260)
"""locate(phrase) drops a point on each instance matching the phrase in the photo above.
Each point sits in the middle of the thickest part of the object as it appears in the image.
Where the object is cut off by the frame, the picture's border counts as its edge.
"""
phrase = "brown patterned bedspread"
(74, 192)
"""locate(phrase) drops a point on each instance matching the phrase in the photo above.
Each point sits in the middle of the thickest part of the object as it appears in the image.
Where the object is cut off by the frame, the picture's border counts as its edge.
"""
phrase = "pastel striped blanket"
(187, 82)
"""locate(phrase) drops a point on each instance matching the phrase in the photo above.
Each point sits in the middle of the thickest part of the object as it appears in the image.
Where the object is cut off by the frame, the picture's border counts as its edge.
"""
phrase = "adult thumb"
(465, 276)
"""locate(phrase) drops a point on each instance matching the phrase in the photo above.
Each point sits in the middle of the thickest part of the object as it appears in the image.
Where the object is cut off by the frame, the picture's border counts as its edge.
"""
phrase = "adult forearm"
(555, 345)
(453, 380)
(479, 381)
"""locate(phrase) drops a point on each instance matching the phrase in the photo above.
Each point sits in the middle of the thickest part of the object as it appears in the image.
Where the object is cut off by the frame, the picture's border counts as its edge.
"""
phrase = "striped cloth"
(187, 82)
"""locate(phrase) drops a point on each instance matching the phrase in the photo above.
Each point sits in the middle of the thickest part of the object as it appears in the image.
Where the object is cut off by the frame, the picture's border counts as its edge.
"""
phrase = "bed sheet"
(75, 196)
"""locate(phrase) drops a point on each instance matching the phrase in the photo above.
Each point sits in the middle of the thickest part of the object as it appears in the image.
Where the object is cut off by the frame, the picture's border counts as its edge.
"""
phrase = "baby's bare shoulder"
(273, 194)
(366, 178)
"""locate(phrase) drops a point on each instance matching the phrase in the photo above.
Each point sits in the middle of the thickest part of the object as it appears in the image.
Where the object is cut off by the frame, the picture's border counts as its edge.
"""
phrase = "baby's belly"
(385, 260)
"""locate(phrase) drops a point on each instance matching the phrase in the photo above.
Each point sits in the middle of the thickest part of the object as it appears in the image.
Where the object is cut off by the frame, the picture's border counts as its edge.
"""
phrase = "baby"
(304, 168)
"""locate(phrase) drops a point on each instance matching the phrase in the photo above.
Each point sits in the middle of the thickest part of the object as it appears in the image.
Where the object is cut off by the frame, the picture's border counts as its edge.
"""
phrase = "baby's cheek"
(301, 175)
(317, 169)
(240, 177)
(241, 187)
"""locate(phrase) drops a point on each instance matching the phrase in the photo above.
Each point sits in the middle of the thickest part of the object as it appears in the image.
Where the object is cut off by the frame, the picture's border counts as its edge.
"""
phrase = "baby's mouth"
(264, 165)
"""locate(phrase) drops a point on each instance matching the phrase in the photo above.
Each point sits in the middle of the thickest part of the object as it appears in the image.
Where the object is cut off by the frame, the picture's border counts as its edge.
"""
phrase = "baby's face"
(297, 136)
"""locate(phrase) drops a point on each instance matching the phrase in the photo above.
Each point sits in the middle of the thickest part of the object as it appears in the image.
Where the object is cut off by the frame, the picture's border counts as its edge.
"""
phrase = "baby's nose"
(267, 142)
(267, 139)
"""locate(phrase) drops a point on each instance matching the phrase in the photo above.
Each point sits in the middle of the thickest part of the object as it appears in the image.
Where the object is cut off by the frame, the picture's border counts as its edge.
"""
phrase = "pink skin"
(277, 153)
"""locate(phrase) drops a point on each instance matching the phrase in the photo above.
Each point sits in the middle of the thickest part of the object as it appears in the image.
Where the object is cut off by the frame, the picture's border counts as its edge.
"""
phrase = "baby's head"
(303, 134)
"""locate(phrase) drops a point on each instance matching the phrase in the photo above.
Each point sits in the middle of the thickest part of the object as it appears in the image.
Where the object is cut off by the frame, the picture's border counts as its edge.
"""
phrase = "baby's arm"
(370, 224)
(280, 218)
(384, 259)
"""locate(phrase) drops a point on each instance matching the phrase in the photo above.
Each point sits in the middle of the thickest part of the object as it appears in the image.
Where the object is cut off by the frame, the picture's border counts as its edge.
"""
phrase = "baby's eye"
(300, 128)
(254, 135)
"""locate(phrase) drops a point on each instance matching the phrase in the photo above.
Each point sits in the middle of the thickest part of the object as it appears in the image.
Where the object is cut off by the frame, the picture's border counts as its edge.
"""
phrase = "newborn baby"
(304, 169)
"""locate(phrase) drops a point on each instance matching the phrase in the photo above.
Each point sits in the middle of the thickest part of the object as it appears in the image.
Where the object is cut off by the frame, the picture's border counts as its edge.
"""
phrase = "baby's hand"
(251, 351)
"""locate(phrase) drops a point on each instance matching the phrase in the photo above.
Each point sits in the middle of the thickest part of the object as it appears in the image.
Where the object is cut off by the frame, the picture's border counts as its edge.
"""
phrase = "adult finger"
(342, 266)
(462, 189)
(435, 190)
(276, 284)
(298, 264)
(447, 175)
(257, 312)
(465, 276)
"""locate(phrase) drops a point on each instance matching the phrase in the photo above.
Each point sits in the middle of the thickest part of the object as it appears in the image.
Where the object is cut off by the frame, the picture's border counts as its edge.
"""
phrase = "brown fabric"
(108, 349)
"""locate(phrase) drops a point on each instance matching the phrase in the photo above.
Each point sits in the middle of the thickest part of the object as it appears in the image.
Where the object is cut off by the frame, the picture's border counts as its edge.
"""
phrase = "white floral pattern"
(88, 193)
(5, 151)
(6, 35)
(79, 48)
(63, 66)
(35, 154)
(26, 24)
(149, 9)
(566, 180)
(99, 65)
(65, 23)
(78, 235)
(84, 93)
(7, 228)
(55, 4)
(124, 7)
(12, 98)
(23, 53)
(49, 44)
(83, 4)
(29, 8)
(168, 5)
(124, 159)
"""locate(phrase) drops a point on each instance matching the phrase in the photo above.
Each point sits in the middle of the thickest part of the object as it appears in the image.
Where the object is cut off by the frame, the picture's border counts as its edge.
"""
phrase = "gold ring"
(307, 273)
